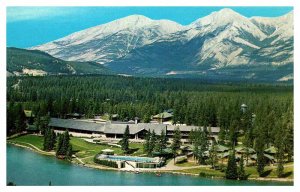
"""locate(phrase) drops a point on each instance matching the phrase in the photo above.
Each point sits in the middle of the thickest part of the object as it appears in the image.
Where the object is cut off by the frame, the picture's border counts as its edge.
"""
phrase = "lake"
(27, 168)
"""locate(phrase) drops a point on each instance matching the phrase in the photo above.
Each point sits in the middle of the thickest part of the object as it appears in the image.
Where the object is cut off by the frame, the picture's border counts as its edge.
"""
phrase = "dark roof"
(76, 124)
(181, 127)
(191, 127)
(111, 128)
(150, 127)
(116, 127)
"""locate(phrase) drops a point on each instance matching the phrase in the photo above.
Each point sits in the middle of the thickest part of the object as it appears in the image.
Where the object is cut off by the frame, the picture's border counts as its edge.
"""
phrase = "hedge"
(105, 162)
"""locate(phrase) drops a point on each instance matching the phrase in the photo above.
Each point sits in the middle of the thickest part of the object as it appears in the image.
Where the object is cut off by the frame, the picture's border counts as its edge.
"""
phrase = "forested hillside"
(21, 61)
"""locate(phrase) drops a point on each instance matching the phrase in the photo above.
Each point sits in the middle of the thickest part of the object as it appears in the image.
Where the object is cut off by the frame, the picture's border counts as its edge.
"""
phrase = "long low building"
(117, 129)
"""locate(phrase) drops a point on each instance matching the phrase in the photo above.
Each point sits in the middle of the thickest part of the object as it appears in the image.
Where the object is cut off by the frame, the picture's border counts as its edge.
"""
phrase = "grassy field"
(84, 149)
(137, 148)
(270, 172)
(81, 148)
(187, 164)
(207, 171)
(31, 139)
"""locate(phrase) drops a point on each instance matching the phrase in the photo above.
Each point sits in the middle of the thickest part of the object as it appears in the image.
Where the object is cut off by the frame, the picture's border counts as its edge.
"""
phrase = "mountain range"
(222, 45)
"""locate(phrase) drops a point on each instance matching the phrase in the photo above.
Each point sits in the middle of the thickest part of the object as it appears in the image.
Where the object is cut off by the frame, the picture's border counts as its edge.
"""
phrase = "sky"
(30, 26)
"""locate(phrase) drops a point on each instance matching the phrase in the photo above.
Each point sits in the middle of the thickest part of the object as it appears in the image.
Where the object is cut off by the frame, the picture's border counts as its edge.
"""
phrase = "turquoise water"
(25, 167)
(128, 158)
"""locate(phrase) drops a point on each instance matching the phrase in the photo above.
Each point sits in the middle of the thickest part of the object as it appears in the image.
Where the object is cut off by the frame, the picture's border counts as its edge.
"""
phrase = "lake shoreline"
(100, 167)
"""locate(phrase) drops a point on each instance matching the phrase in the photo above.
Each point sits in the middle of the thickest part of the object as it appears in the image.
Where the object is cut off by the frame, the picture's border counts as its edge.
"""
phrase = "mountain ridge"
(138, 45)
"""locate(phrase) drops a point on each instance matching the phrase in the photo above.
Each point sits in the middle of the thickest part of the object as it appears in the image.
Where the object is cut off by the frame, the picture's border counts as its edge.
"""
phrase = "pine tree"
(69, 152)
(233, 133)
(162, 143)
(281, 138)
(199, 139)
(146, 118)
(231, 171)
(147, 142)
(10, 119)
(20, 122)
(213, 155)
(59, 145)
(47, 138)
(52, 139)
(176, 143)
(241, 171)
(260, 163)
(222, 136)
(37, 122)
(64, 148)
(65, 143)
(43, 123)
(288, 127)
(125, 141)
(203, 144)
(152, 143)
(260, 154)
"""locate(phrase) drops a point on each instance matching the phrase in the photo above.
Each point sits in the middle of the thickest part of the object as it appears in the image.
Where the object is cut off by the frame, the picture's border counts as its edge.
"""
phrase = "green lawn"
(81, 148)
(137, 147)
(270, 172)
(31, 139)
(187, 164)
(84, 149)
(205, 170)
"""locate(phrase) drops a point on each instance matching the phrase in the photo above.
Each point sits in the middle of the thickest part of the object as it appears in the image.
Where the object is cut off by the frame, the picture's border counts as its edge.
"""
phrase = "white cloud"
(28, 13)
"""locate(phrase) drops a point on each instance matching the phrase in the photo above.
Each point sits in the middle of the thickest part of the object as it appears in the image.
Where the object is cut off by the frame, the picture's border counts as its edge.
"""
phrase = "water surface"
(25, 167)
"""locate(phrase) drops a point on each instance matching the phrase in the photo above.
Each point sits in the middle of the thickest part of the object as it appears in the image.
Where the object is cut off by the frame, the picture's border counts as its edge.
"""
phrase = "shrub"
(202, 174)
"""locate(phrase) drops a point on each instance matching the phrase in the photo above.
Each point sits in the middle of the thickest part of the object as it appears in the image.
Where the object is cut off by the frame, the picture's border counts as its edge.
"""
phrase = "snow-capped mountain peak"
(222, 17)
(274, 26)
(142, 45)
(230, 18)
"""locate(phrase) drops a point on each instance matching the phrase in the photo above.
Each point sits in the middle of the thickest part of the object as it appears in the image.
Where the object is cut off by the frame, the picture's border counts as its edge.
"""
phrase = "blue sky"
(29, 26)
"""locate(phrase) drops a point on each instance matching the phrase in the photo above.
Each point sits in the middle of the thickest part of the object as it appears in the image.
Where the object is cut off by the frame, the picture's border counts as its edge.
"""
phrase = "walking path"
(79, 160)
(34, 148)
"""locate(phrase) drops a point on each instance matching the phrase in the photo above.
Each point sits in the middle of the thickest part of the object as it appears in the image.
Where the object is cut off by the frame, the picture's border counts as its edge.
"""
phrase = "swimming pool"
(130, 158)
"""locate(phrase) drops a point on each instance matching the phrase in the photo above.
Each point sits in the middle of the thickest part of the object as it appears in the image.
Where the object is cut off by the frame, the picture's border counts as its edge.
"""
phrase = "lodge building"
(115, 130)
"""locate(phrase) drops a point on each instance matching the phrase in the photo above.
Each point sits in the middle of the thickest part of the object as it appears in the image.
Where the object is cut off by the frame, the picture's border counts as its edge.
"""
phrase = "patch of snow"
(171, 73)
(124, 75)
